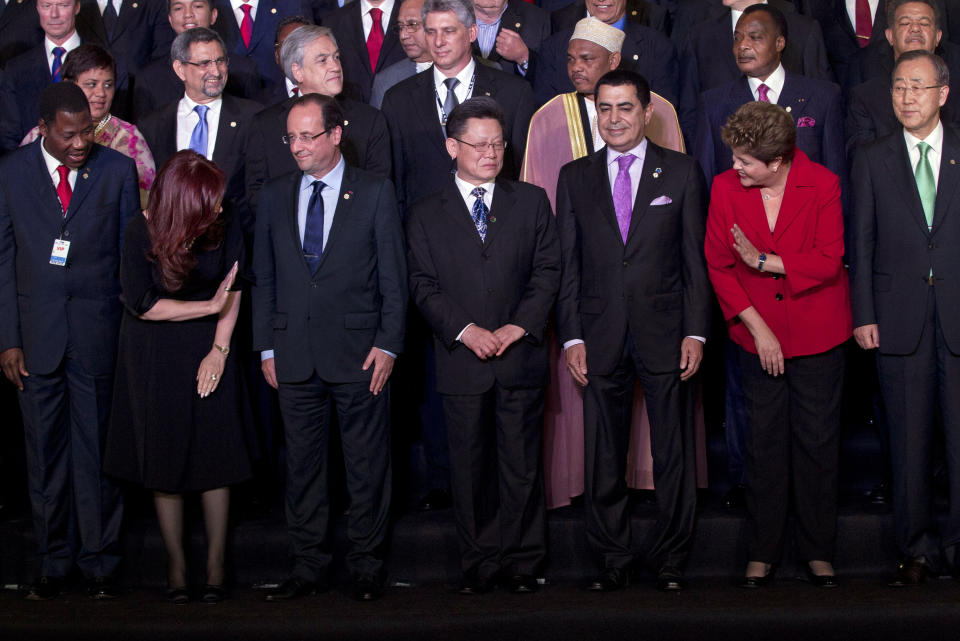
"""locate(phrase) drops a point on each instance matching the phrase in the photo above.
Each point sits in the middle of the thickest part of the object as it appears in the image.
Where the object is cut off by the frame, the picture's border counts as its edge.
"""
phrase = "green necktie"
(925, 184)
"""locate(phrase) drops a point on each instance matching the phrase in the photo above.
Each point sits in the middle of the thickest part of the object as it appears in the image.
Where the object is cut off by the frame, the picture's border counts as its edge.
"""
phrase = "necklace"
(770, 196)
(102, 124)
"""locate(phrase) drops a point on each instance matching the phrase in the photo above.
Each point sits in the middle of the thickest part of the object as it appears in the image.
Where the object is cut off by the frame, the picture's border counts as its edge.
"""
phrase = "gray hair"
(180, 49)
(463, 9)
(940, 69)
(296, 43)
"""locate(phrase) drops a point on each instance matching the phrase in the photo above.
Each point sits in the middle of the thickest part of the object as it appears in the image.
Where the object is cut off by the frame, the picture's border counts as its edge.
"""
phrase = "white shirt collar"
(465, 188)
(70, 44)
(386, 6)
(187, 104)
(465, 75)
(640, 151)
(935, 139)
(52, 165)
(774, 82)
(236, 4)
(497, 19)
(332, 179)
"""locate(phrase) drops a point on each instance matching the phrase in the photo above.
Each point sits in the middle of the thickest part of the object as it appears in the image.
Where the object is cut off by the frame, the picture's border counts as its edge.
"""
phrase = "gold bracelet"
(221, 349)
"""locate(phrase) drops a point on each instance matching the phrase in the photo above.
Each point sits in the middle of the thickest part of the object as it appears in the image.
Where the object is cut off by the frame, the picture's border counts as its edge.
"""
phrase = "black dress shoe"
(48, 587)
(910, 573)
(670, 579)
(102, 588)
(213, 593)
(366, 588)
(821, 580)
(177, 596)
(736, 497)
(880, 494)
(474, 585)
(523, 584)
(756, 582)
(435, 500)
(609, 580)
(293, 588)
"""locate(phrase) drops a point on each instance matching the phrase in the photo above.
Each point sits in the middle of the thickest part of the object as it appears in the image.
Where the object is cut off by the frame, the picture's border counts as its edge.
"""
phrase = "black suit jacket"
(365, 143)
(348, 28)
(328, 321)
(840, 36)
(707, 59)
(44, 307)
(510, 277)
(638, 11)
(19, 29)
(158, 84)
(814, 104)
(654, 288)
(24, 78)
(646, 51)
(893, 251)
(533, 25)
(236, 119)
(421, 163)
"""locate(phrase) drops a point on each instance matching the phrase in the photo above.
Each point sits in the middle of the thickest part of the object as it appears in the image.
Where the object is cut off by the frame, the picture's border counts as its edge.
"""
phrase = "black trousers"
(793, 433)
(913, 387)
(607, 405)
(497, 480)
(77, 511)
(365, 437)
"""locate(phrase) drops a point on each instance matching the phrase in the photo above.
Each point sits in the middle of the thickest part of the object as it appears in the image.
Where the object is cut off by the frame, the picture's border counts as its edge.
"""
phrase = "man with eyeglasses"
(484, 262)
(409, 28)
(329, 318)
(205, 119)
(905, 231)
(157, 83)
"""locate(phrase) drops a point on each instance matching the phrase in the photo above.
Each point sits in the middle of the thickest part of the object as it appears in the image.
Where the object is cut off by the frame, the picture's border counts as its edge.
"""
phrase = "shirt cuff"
(266, 355)
(390, 354)
(570, 343)
(698, 338)
(463, 330)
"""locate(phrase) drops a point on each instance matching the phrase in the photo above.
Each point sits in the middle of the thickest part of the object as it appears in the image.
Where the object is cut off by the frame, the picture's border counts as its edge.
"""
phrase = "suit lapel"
(391, 39)
(356, 34)
(224, 150)
(452, 203)
(87, 175)
(264, 25)
(601, 186)
(90, 18)
(504, 200)
(797, 194)
(425, 106)
(791, 98)
(293, 225)
(900, 174)
(129, 11)
(648, 187)
(49, 192)
(341, 213)
(949, 177)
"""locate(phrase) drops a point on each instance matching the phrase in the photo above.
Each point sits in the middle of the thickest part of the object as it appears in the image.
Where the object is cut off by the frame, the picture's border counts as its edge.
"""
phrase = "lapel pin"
(273, 10)
(134, 5)
(657, 172)
(346, 122)
(633, 13)
(636, 56)
(953, 162)
(787, 109)
(517, 25)
(493, 219)
(233, 123)
(85, 175)
(800, 99)
(346, 196)
(486, 93)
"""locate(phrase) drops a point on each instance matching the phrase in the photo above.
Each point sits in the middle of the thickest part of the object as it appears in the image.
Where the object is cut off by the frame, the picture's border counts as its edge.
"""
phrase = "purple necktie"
(762, 92)
(622, 202)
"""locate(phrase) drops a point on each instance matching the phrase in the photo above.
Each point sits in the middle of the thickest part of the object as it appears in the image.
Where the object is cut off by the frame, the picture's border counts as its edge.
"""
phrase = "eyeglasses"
(207, 64)
(412, 26)
(484, 147)
(901, 90)
(306, 139)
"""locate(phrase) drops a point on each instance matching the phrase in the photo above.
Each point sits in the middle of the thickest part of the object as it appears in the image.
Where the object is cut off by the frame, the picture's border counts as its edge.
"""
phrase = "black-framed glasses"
(413, 25)
(914, 90)
(483, 147)
(207, 64)
(306, 139)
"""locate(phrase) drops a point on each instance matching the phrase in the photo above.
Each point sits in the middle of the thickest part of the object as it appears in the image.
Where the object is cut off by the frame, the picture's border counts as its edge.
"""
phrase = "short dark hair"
(479, 107)
(63, 97)
(463, 9)
(289, 20)
(779, 20)
(332, 112)
(621, 77)
(940, 69)
(763, 130)
(86, 57)
(180, 49)
(893, 5)
(209, 3)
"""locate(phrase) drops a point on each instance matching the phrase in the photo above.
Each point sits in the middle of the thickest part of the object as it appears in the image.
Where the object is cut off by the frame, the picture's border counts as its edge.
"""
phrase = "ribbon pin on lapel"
(657, 172)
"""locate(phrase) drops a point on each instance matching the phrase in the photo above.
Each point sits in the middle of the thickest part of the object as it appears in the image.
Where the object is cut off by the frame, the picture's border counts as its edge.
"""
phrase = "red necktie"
(864, 23)
(246, 25)
(63, 187)
(375, 39)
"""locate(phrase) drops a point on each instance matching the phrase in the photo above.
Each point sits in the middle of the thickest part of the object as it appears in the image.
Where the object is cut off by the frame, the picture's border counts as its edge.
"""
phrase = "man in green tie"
(905, 264)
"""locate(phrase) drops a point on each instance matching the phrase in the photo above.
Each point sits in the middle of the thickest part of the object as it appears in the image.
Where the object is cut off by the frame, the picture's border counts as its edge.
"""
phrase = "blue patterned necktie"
(57, 63)
(198, 139)
(480, 211)
(313, 229)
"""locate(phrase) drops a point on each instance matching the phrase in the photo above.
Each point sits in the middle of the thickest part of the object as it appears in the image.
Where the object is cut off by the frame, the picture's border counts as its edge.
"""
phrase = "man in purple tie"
(634, 304)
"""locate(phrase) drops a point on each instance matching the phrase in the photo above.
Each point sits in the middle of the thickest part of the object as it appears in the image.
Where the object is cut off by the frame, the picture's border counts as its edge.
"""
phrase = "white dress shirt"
(52, 165)
(367, 20)
(187, 120)
(238, 12)
(594, 132)
(774, 85)
(69, 45)
(462, 91)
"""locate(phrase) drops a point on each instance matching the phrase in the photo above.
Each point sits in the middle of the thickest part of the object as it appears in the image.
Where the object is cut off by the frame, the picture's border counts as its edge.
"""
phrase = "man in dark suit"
(414, 43)
(26, 75)
(64, 203)
(158, 84)
(507, 33)
(905, 231)
(205, 119)
(288, 89)
(914, 24)
(19, 29)
(310, 57)
(487, 234)
(329, 314)
(642, 12)
(634, 304)
(845, 35)
(367, 46)
(249, 30)
(815, 105)
(134, 32)
(645, 51)
(702, 68)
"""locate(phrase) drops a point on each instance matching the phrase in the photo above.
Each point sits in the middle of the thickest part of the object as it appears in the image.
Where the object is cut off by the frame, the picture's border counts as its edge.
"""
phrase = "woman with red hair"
(179, 421)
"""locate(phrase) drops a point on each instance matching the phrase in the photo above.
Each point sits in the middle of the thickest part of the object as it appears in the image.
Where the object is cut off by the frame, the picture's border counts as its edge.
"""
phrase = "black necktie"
(313, 229)
(110, 19)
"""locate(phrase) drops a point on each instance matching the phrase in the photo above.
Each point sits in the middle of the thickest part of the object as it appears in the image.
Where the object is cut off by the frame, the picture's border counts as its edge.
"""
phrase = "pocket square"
(806, 121)
(661, 200)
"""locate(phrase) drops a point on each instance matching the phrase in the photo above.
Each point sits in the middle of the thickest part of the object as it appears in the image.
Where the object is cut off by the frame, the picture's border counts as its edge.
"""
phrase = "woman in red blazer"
(774, 250)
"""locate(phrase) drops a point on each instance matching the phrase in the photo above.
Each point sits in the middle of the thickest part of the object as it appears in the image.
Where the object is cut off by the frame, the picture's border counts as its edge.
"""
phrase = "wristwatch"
(761, 261)
(524, 65)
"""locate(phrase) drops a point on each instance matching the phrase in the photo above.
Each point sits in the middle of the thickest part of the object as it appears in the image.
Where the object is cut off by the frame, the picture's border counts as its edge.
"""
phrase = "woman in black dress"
(179, 421)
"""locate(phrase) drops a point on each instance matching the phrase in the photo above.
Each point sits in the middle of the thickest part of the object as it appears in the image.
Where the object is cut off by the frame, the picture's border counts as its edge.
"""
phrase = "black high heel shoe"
(821, 580)
(177, 596)
(213, 593)
(757, 582)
